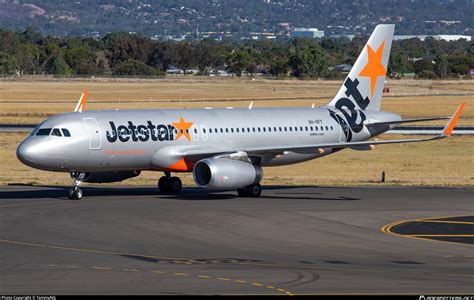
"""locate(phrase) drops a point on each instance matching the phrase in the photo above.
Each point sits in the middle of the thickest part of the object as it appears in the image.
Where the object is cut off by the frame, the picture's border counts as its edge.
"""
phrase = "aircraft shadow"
(187, 194)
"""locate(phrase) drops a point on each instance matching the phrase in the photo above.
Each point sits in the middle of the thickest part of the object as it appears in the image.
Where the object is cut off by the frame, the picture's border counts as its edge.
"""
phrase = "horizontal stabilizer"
(406, 121)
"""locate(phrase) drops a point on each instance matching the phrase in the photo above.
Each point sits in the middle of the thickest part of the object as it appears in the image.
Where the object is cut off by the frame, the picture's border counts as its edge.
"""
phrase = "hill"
(176, 17)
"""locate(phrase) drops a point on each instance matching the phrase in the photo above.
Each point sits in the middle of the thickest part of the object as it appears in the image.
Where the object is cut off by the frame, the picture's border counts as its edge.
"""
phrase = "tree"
(162, 55)
(423, 65)
(398, 64)
(58, 66)
(124, 46)
(441, 65)
(307, 59)
(27, 57)
(134, 68)
(279, 66)
(186, 56)
(81, 60)
(237, 61)
(208, 54)
(8, 64)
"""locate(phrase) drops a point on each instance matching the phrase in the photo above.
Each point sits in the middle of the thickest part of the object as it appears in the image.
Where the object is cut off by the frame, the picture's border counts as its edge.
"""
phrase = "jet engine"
(110, 176)
(225, 173)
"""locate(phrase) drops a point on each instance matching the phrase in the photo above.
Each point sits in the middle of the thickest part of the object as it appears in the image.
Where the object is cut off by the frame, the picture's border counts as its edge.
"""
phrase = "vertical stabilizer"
(363, 87)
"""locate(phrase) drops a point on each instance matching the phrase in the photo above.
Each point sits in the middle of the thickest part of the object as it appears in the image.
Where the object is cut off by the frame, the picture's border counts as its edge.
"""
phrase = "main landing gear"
(169, 185)
(253, 191)
(75, 193)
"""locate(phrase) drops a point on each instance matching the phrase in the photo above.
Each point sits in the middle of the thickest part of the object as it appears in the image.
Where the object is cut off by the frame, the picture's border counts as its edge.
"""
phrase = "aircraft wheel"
(175, 185)
(254, 190)
(163, 184)
(70, 193)
(78, 194)
(242, 193)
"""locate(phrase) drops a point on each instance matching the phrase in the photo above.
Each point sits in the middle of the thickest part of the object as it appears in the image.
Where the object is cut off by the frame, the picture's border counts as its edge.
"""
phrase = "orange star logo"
(183, 128)
(374, 68)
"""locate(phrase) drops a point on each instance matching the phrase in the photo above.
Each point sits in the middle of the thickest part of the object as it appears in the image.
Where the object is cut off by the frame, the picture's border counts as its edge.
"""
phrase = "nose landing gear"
(169, 185)
(75, 193)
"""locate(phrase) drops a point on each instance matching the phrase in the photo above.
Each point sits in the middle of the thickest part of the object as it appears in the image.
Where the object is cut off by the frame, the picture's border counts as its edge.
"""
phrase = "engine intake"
(224, 173)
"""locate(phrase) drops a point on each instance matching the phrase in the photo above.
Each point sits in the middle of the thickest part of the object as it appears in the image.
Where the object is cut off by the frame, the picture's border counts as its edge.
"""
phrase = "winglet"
(452, 122)
(81, 102)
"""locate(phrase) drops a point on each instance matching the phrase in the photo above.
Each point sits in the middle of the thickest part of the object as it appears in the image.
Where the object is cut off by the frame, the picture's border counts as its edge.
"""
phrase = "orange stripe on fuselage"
(111, 152)
(449, 129)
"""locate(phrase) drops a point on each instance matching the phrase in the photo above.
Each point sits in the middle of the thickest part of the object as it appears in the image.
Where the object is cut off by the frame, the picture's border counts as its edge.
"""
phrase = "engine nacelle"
(224, 173)
(110, 176)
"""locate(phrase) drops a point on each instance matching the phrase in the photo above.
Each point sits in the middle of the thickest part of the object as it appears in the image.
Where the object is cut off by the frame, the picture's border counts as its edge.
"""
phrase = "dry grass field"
(445, 162)
(32, 100)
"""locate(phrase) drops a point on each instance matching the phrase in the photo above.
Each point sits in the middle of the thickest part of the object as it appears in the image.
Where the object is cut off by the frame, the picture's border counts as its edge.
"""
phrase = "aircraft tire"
(175, 185)
(78, 194)
(70, 194)
(254, 190)
(163, 184)
(242, 193)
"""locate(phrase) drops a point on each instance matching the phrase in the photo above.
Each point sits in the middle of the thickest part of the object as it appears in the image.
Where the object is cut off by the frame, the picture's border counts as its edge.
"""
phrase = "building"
(311, 33)
(444, 37)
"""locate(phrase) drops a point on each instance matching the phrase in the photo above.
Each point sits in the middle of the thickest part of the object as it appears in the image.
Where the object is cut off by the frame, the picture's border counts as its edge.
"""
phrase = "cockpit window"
(66, 132)
(56, 132)
(43, 131)
(33, 133)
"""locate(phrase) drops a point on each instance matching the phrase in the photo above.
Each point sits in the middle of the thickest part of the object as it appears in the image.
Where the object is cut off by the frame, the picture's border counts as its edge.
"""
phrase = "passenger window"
(43, 131)
(237, 130)
(66, 132)
(327, 128)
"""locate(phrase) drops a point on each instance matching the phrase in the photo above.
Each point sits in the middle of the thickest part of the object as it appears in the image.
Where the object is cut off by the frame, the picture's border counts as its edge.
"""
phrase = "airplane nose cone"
(26, 153)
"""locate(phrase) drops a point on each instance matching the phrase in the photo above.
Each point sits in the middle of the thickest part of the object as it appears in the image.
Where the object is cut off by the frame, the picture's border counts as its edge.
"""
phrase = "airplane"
(225, 149)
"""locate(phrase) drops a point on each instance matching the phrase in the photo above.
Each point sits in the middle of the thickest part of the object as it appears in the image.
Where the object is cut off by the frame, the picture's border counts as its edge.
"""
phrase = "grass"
(446, 162)
(32, 100)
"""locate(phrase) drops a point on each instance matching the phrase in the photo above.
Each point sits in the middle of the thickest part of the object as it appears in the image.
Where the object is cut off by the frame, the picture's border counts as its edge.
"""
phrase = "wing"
(448, 129)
